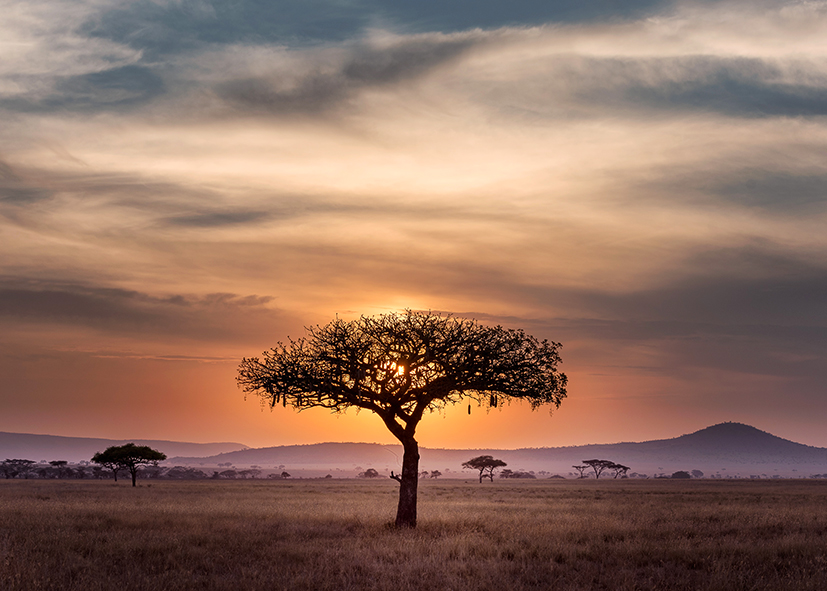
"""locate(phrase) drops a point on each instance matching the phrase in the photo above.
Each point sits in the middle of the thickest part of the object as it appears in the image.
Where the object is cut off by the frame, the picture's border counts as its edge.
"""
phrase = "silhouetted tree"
(697, 474)
(369, 473)
(619, 469)
(128, 457)
(581, 470)
(401, 365)
(61, 466)
(681, 474)
(285, 474)
(485, 464)
(16, 467)
(516, 474)
(435, 473)
(598, 466)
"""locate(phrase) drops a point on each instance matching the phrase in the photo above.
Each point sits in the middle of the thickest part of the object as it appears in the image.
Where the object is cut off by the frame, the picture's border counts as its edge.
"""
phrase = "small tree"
(400, 366)
(619, 469)
(485, 464)
(581, 470)
(697, 474)
(128, 457)
(369, 473)
(598, 466)
(435, 474)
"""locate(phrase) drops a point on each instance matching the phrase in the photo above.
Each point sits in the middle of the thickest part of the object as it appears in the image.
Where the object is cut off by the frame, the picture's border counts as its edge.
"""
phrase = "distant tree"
(619, 469)
(400, 366)
(228, 474)
(581, 470)
(16, 467)
(681, 474)
(285, 474)
(128, 457)
(329, 476)
(697, 474)
(61, 467)
(424, 474)
(598, 466)
(516, 474)
(369, 473)
(435, 473)
(485, 464)
(185, 473)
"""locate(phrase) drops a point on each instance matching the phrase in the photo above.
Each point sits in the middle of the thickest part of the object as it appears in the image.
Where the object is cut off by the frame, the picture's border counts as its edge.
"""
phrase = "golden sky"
(186, 183)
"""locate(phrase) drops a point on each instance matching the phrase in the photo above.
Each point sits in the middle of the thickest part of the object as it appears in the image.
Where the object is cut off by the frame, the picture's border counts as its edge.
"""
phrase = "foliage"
(619, 469)
(369, 473)
(485, 464)
(400, 366)
(681, 474)
(128, 457)
(581, 469)
(598, 466)
(15, 467)
(516, 474)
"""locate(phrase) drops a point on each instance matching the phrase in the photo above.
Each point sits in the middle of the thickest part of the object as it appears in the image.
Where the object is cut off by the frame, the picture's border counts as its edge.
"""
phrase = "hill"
(728, 449)
(76, 449)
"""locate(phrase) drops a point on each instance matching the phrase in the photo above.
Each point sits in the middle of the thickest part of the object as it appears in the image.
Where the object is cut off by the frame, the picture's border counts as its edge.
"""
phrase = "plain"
(337, 535)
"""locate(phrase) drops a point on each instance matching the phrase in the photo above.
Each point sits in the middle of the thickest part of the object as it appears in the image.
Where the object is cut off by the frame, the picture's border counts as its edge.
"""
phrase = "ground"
(323, 534)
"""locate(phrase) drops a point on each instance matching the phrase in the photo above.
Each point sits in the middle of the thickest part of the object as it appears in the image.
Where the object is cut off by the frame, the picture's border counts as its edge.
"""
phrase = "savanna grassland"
(323, 534)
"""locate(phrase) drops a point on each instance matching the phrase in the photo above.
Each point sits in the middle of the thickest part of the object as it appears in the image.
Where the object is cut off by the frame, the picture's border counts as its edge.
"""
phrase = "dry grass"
(316, 535)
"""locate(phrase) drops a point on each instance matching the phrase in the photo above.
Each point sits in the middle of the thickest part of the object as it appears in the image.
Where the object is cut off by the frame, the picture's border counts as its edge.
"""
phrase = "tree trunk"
(408, 481)
(134, 476)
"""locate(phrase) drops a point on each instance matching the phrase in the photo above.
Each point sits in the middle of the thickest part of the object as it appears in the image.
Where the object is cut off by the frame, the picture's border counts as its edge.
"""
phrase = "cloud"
(333, 78)
(217, 317)
(218, 218)
(111, 89)
(162, 28)
(15, 190)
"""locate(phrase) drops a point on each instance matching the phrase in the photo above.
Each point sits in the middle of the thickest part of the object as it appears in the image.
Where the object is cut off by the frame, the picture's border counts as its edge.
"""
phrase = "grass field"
(322, 534)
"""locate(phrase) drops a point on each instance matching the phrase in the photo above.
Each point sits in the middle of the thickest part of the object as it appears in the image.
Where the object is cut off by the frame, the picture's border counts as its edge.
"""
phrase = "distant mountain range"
(75, 449)
(726, 449)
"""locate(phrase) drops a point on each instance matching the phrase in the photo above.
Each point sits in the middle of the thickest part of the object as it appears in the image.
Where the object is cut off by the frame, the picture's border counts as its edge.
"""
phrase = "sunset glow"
(181, 187)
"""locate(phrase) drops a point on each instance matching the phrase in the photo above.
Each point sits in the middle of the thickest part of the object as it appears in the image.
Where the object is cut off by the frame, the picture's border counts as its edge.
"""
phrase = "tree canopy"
(128, 457)
(485, 464)
(401, 365)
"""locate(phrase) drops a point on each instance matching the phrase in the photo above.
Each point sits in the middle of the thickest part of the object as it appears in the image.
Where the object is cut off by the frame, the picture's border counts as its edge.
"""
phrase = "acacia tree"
(128, 457)
(598, 466)
(619, 469)
(401, 365)
(581, 469)
(484, 464)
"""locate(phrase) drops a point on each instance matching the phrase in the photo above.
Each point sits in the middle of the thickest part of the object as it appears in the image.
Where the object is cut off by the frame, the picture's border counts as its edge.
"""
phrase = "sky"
(184, 183)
